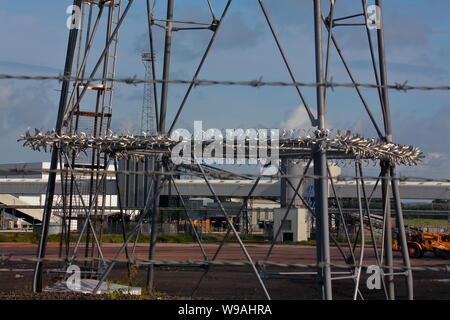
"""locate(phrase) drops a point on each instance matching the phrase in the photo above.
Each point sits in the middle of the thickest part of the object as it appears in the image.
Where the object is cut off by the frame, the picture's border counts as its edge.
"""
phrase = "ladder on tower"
(88, 189)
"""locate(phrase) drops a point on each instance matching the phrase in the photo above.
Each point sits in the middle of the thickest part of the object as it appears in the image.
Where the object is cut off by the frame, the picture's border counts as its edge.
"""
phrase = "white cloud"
(5, 95)
(298, 119)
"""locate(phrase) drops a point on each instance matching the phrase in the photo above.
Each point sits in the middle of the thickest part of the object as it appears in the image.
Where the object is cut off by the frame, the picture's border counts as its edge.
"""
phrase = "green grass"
(117, 238)
(162, 238)
(19, 237)
(432, 223)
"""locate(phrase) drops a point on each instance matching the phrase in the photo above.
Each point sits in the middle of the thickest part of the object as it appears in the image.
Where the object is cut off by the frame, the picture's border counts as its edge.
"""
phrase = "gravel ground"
(222, 282)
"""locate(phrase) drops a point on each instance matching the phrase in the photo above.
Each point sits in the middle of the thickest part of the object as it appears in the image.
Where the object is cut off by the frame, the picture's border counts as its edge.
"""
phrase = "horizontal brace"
(193, 28)
(344, 278)
(349, 17)
(182, 263)
(96, 87)
(16, 270)
(110, 3)
(302, 273)
(349, 24)
(183, 22)
(93, 114)
(396, 274)
(85, 166)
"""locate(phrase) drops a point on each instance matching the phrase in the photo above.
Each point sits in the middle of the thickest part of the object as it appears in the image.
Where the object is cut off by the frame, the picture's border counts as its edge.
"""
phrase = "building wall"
(296, 224)
(36, 196)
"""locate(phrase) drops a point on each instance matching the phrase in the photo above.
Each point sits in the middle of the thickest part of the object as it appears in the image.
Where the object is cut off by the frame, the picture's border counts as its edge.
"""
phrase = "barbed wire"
(4, 258)
(405, 87)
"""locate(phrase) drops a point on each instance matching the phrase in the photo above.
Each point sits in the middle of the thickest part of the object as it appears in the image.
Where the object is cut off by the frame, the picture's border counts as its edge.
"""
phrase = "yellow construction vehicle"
(421, 242)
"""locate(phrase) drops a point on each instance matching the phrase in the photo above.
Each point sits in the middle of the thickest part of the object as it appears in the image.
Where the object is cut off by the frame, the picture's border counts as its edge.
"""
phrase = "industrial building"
(23, 189)
(23, 193)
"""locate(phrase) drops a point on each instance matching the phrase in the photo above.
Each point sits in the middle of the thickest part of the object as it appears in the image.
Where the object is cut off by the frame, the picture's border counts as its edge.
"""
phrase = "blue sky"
(34, 39)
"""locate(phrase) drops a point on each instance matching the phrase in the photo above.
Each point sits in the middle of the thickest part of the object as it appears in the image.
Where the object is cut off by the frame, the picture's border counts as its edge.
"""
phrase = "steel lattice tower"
(85, 107)
(148, 120)
(317, 153)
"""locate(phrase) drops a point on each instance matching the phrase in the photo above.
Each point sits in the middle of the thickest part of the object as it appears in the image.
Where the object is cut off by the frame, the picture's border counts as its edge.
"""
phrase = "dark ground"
(225, 282)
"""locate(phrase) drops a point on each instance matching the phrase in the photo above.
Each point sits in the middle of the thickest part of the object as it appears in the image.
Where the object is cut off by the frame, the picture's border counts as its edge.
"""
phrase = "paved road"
(234, 282)
(232, 251)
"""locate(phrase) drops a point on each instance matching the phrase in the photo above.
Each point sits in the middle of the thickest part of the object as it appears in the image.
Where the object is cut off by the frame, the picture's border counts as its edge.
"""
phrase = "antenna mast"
(148, 121)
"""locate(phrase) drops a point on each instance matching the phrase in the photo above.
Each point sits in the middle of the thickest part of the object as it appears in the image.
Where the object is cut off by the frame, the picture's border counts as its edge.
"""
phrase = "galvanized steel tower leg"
(385, 166)
(166, 67)
(162, 130)
(385, 172)
(154, 232)
(320, 169)
(389, 173)
(402, 234)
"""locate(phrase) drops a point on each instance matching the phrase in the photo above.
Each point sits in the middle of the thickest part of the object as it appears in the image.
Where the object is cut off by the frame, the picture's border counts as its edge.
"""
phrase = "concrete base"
(88, 285)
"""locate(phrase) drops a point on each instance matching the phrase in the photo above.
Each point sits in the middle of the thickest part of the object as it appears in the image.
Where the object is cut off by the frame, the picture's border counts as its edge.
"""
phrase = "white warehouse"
(23, 194)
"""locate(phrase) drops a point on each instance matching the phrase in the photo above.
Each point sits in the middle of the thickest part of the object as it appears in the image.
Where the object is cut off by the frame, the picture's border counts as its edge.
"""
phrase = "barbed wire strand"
(252, 83)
